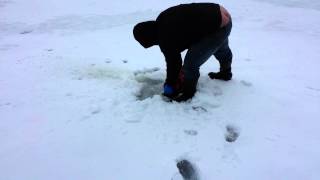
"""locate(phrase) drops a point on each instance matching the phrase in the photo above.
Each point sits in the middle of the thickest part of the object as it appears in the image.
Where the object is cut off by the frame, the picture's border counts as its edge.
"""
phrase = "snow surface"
(79, 98)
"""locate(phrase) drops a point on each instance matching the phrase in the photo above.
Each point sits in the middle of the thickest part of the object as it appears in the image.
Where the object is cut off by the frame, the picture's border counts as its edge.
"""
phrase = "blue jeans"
(214, 44)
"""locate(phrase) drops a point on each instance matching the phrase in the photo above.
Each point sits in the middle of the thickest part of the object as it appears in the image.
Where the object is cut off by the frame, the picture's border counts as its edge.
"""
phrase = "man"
(203, 29)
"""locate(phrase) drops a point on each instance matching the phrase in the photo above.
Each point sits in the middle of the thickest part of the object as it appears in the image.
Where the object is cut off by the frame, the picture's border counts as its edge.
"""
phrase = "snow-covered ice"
(79, 98)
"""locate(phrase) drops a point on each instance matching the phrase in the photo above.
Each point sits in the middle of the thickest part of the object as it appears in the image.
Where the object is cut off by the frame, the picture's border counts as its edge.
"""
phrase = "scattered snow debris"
(199, 109)
(217, 91)
(68, 94)
(26, 32)
(191, 132)
(246, 83)
(314, 89)
(3, 3)
(97, 111)
(6, 47)
(133, 121)
(148, 80)
(146, 71)
(86, 117)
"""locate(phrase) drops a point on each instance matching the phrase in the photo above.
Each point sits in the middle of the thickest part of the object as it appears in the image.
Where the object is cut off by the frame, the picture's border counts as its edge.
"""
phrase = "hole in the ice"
(149, 88)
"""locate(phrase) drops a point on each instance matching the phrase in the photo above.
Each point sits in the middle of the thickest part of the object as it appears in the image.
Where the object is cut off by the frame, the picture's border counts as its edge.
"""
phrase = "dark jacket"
(181, 26)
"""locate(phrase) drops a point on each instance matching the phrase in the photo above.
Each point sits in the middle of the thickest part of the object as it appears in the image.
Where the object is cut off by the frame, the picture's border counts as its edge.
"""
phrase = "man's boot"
(189, 89)
(224, 73)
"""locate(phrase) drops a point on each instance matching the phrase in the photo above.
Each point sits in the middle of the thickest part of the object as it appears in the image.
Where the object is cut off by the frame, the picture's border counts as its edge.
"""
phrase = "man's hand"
(225, 16)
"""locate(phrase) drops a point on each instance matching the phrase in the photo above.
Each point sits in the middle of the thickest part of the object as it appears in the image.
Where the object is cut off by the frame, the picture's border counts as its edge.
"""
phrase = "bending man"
(203, 29)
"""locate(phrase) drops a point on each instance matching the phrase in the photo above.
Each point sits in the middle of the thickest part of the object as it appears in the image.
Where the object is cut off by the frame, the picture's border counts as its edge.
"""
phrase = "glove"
(172, 91)
(168, 90)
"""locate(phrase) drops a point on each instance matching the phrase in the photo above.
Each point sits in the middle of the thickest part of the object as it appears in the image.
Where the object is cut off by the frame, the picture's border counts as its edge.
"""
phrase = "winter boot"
(225, 70)
(225, 75)
(189, 89)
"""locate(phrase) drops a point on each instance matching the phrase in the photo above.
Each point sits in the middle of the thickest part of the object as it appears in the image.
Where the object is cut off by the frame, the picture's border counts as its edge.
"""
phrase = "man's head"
(146, 33)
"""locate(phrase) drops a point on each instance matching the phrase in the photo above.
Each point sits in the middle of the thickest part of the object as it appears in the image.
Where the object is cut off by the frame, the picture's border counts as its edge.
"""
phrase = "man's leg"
(224, 56)
(198, 54)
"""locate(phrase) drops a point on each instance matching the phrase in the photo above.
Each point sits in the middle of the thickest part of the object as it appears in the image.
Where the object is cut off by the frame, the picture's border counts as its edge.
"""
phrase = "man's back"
(182, 25)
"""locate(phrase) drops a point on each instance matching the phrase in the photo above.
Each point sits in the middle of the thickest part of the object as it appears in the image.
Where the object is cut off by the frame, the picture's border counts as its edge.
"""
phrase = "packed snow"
(80, 98)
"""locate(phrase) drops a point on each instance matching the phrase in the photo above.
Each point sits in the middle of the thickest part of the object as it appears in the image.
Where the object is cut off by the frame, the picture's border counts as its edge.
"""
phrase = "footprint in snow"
(97, 111)
(132, 121)
(246, 83)
(107, 61)
(187, 170)
(68, 94)
(314, 89)
(232, 133)
(26, 32)
(5, 104)
(191, 132)
(199, 109)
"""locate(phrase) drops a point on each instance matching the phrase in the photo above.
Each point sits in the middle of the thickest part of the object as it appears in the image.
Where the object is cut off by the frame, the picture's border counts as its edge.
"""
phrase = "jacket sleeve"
(174, 65)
